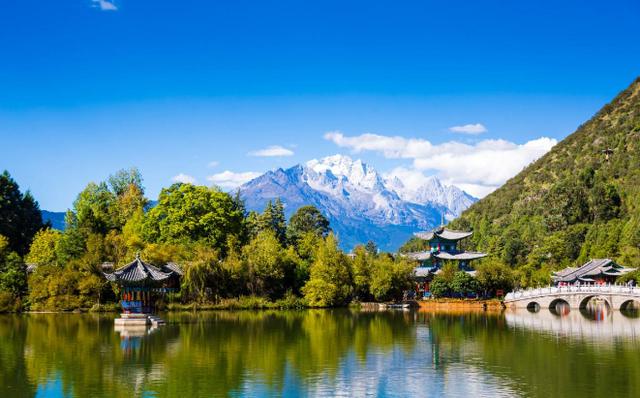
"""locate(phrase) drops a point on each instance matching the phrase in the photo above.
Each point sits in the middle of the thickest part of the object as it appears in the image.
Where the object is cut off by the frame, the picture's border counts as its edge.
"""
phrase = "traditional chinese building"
(596, 271)
(140, 285)
(444, 245)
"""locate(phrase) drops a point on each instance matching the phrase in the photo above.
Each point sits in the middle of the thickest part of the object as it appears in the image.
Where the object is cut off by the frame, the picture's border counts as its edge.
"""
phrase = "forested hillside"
(579, 201)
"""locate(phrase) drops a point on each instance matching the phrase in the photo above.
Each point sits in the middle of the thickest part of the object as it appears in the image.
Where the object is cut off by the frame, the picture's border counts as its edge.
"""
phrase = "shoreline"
(432, 305)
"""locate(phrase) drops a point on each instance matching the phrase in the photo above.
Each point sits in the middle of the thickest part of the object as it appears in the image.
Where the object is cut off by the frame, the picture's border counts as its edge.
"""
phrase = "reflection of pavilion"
(576, 324)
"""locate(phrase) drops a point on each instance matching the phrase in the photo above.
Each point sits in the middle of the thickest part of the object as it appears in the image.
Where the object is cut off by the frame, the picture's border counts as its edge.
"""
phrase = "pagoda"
(443, 246)
(596, 271)
(140, 285)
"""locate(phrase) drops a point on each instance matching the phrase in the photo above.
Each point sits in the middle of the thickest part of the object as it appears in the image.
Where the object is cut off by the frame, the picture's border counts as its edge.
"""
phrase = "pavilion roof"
(461, 256)
(443, 233)
(594, 267)
(138, 271)
(420, 256)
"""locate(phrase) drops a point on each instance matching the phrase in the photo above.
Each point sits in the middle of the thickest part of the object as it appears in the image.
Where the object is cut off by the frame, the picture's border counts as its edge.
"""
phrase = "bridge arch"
(630, 304)
(533, 306)
(553, 306)
(586, 299)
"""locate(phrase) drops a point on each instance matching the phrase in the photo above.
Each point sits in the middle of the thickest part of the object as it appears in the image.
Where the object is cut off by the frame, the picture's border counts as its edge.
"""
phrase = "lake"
(324, 353)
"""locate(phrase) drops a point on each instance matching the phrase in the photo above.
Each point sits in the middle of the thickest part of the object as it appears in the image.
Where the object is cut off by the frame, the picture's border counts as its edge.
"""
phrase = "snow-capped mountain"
(434, 191)
(360, 203)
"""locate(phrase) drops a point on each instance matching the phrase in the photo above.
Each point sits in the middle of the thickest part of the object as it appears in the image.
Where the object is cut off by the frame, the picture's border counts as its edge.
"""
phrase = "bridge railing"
(553, 290)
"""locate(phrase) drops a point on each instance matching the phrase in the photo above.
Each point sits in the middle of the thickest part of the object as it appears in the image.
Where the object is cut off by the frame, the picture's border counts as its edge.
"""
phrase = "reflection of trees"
(206, 354)
(534, 362)
(13, 373)
(221, 353)
(550, 365)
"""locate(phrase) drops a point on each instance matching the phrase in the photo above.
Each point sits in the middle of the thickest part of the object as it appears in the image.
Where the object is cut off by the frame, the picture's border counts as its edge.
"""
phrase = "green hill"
(576, 202)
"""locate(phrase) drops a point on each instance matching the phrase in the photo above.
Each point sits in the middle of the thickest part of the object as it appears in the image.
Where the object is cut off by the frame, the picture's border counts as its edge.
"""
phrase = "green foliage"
(371, 248)
(273, 219)
(307, 220)
(390, 278)
(224, 254)
(570, 205)
(20, 216)
(414, 244)
(43, 247)
(362, 265)
(493, 275)
(330, 282)
(95, 209)
(439, 287)
(268, 264)
(186, 214)
(13, 274)
(124, 179)
(464, 284)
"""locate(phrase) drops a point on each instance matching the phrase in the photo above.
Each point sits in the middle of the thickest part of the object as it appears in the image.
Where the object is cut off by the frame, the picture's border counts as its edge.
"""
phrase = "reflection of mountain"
(610, 324)
(310, 353)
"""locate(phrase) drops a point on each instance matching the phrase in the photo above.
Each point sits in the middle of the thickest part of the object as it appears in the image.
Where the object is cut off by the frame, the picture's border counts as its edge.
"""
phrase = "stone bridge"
(617, 297)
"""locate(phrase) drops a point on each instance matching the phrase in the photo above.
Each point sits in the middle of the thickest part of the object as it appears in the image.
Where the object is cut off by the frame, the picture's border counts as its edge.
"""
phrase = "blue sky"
(198, 89)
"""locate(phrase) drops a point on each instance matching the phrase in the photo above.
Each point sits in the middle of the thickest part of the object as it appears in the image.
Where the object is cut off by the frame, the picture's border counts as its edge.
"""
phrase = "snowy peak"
(358, 201)
(433, 191)
(356, 173)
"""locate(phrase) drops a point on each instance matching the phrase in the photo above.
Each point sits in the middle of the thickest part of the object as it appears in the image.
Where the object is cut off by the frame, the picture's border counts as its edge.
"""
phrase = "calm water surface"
(324, 353)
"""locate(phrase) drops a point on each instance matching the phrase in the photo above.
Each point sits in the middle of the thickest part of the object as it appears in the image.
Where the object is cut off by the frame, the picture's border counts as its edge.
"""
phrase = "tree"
(439, 287)
(362, 264)
(273, 218)
(94, 209)
(43, 248)
(307, 219)
(414, 244)
(464, 284)
(72, 242)
(188, 213)
(390, 277)
(13, 277)
(371, 248)
(330, 282)
(123, 179)
(202, 276)
(20, 216)
(267, 264)
(493, 275)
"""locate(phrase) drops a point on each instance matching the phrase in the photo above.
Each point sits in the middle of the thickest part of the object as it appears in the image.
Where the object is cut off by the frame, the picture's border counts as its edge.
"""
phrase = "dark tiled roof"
(443, 233)
(420, 256)
(137, 272)
(173, 267)
(601, 266)
(462, 256)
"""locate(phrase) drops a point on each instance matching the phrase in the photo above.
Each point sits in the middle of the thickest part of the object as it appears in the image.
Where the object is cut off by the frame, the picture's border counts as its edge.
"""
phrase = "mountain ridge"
(581, 200)
(360, 203)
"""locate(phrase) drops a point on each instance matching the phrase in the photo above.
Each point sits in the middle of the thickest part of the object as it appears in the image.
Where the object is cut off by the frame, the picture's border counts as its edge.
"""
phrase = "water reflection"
(596, 310)
(596, 322)
(322, 353)
(560, 308)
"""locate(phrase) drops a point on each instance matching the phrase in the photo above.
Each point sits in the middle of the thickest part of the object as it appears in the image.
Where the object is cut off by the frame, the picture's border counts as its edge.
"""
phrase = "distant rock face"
(55, 218)
(360, 204)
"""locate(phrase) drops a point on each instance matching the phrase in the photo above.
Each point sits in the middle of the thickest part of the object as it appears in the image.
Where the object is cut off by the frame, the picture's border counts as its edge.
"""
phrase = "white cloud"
(184, 178)
(230, 179)
(472, 129)
(478, 168)
(213, 163)
(105, 5)
(272, 151)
